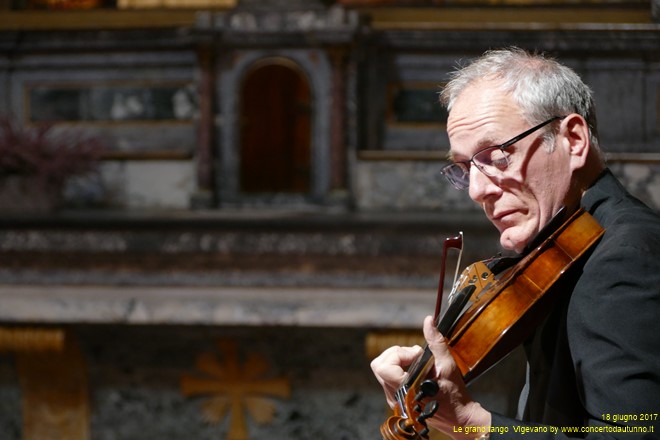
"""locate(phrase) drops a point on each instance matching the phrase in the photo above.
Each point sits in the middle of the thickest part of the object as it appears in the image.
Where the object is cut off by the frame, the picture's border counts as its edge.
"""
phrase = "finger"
(438, 345)
(389, 368)
(436, 341)
(390, 365)
(407, 355)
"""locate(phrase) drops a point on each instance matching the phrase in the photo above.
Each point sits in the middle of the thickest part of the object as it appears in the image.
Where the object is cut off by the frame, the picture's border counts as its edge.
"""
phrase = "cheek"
(548, 184)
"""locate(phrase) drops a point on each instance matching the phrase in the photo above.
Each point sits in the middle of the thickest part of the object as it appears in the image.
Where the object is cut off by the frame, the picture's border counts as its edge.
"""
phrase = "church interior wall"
(131, 312)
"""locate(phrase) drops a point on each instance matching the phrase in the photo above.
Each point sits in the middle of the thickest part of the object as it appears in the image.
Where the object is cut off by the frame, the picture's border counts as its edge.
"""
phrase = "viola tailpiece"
(489, 314)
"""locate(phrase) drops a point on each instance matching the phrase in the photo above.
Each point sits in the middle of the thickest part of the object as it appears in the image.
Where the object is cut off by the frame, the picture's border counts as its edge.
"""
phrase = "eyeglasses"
(492, 161)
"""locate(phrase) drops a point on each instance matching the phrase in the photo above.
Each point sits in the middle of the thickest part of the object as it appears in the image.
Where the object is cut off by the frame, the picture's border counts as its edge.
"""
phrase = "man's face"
(524, 197)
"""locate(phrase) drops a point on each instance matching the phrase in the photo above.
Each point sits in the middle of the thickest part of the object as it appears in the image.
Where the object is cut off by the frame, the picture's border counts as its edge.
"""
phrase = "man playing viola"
(524, 143)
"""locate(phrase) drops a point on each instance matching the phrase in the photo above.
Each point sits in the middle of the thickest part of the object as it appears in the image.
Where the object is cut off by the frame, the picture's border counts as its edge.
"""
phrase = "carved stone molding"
(273, 27)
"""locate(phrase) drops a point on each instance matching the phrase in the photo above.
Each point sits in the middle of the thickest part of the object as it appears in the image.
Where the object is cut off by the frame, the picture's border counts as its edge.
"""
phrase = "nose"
(481, 185)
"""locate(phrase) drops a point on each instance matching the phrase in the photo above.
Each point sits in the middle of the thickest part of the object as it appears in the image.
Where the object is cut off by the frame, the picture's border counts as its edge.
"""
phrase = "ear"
(574, 136)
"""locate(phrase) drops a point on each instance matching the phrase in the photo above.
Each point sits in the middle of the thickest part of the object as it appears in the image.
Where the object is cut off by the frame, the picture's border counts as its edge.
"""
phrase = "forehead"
(482, 115)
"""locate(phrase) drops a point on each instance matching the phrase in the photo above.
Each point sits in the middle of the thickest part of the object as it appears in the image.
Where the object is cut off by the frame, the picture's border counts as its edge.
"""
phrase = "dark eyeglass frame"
(463, 166)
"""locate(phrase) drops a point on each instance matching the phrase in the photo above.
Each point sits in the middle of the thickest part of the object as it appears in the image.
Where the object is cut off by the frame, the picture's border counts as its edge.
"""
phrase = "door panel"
(275, 131)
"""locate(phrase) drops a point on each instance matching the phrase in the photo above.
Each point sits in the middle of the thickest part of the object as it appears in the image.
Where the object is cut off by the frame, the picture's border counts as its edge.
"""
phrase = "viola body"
(493, 314)
(507, 309)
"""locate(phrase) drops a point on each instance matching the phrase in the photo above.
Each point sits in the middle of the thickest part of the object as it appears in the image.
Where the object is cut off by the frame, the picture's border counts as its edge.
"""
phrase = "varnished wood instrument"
(491, 313)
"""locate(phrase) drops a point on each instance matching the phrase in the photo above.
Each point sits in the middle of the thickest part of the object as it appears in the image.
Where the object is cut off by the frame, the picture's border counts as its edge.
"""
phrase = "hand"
(456, 407)
(389, 368)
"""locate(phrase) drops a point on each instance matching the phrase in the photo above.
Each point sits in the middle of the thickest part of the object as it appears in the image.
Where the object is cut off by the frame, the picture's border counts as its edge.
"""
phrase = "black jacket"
(594, 364)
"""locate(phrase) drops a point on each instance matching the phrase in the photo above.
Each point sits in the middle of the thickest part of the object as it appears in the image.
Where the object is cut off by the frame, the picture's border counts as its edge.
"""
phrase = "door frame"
(233, 66)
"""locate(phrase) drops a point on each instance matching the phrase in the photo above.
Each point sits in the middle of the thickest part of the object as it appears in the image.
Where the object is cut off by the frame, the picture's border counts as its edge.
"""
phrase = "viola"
(492, 311)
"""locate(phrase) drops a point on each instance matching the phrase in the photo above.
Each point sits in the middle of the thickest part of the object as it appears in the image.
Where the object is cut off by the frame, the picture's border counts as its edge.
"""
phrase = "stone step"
(237, 249)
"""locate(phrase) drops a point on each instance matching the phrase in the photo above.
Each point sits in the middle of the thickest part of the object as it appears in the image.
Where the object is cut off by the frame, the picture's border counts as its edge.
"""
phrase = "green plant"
(45, 153)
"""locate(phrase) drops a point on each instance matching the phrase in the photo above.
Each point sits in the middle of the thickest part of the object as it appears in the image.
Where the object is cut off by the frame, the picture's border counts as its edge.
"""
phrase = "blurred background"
(215, 213)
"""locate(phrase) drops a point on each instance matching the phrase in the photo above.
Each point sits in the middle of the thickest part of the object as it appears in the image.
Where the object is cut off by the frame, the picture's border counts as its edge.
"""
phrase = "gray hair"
(542, 87)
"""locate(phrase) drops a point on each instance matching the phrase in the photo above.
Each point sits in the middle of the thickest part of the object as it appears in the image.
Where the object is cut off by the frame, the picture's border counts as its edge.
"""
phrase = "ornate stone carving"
(234, 387)
(333, 25)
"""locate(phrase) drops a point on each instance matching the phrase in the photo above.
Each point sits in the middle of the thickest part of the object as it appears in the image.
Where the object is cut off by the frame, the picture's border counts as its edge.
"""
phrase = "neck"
(586, 177)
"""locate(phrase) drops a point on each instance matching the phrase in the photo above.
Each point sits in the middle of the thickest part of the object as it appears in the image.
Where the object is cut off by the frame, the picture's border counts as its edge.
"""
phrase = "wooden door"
(275, 153)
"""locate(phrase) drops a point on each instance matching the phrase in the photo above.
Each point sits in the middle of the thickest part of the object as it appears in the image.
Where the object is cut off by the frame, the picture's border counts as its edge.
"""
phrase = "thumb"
(437, 343)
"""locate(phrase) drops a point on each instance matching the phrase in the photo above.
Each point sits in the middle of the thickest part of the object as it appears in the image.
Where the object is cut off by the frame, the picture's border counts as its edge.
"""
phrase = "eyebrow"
(488, 142)
(452, 157)
(482, 144)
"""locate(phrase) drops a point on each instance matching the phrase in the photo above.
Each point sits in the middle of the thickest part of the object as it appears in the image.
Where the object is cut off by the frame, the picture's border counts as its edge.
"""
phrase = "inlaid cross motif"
(234, 387)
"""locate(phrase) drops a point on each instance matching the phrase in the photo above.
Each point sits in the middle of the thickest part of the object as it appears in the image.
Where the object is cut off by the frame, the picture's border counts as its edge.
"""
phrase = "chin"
(513, 243)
